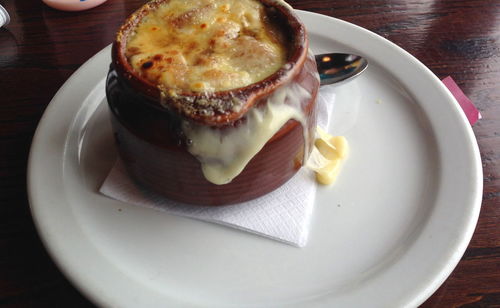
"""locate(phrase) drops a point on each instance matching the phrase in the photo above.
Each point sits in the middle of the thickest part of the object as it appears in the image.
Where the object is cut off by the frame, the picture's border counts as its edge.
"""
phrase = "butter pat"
(327, 156)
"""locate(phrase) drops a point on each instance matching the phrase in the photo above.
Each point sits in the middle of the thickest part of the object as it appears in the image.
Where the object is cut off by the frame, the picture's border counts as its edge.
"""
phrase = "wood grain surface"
(42, 47)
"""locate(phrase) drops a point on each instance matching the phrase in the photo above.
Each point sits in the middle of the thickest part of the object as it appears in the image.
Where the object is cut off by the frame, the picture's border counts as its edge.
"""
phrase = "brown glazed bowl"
(148, 125)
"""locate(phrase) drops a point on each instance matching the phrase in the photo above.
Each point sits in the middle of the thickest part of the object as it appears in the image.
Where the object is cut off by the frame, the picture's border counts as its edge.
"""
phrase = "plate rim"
(476, 172)
(419, 295)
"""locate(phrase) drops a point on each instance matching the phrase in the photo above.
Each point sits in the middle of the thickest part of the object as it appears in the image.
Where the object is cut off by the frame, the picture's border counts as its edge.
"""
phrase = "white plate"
(386, 235)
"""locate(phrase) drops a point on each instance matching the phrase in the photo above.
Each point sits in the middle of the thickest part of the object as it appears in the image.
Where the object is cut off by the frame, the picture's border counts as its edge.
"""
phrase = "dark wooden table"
(42, 47)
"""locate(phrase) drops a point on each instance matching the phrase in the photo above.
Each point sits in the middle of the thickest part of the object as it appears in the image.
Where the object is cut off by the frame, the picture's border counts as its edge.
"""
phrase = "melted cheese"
(206, 45)
(224, 154)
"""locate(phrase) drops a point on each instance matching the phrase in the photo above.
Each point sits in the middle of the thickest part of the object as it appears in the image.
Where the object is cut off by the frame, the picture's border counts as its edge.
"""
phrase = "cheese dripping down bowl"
(213, 102)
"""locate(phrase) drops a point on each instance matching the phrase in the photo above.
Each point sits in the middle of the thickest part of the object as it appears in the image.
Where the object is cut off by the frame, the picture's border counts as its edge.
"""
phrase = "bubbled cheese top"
(206, 45)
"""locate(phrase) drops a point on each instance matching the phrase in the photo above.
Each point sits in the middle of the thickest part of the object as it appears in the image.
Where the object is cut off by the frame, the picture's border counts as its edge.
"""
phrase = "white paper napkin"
(282, 215)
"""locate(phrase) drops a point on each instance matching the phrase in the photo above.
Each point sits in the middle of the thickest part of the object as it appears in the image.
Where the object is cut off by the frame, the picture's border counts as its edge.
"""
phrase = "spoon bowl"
(337, 68)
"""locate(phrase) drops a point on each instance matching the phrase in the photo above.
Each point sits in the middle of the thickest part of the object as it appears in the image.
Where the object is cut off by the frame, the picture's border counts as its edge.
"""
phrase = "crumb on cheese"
(206, 45)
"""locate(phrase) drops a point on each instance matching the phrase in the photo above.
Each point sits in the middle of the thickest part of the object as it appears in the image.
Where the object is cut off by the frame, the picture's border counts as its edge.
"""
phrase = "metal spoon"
(339, 67)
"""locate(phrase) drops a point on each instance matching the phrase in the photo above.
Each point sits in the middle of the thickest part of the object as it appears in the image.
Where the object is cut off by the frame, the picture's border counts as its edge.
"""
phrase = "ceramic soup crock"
(150, 126)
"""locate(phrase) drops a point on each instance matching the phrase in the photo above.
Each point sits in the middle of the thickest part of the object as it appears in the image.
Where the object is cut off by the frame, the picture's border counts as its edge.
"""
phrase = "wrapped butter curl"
(327, 156)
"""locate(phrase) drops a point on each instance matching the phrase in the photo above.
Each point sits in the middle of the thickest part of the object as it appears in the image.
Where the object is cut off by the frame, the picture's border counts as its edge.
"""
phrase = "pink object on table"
(73, 5)
(468, 107)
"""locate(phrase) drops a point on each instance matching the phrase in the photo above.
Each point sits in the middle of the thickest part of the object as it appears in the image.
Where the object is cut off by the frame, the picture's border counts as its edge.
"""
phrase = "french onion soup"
(213, 101)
